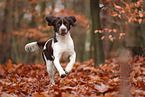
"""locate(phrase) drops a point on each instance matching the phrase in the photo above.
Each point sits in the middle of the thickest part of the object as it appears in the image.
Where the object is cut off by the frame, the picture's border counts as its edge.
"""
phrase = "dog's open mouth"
(63, 34)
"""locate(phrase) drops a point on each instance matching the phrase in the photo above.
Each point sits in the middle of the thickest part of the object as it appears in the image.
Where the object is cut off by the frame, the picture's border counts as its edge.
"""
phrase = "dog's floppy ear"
(71, 20)
(50, 19)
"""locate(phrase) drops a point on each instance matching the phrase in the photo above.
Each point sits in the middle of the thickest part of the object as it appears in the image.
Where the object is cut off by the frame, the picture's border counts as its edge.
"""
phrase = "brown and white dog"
(61, 47)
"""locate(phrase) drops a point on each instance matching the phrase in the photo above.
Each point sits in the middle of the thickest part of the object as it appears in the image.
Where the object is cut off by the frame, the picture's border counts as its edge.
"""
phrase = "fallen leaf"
(4, 94)
(102, 88)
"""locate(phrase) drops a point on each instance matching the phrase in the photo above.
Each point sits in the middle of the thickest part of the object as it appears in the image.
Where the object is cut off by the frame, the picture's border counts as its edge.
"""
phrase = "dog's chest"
(64, 47)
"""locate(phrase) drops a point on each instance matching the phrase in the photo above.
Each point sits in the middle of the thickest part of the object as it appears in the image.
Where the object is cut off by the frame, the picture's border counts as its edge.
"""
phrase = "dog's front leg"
(71, 63)
(58, 67)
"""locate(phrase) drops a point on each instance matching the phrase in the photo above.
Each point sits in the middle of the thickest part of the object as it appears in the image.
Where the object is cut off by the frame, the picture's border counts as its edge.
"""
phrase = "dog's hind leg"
(51, 71)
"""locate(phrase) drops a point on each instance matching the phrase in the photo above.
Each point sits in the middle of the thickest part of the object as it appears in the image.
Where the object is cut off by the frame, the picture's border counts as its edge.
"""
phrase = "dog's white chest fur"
(64, 47)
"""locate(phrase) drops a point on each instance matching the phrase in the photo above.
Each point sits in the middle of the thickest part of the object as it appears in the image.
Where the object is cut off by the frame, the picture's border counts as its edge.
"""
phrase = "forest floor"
(20, 80)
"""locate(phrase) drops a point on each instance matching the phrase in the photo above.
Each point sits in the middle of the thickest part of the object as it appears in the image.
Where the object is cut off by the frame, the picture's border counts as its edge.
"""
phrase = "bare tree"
(96, 25)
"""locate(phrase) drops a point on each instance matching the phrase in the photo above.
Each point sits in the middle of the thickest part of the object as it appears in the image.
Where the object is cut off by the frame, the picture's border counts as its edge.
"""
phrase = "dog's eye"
(58, 24)
(65, 24)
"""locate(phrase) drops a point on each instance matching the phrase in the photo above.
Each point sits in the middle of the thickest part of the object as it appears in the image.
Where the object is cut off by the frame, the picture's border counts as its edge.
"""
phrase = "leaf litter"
(20, 80)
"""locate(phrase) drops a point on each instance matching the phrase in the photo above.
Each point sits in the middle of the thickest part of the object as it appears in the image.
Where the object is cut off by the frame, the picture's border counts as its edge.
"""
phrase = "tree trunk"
(5, 19)
(14, 20)
(42, 12)
(33, 23)
(53, 6)
(5, 35)
(96, 25)
(87, 48)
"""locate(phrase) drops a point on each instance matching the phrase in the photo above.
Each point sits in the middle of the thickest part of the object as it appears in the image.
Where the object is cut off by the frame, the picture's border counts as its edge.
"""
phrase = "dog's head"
(61, 24)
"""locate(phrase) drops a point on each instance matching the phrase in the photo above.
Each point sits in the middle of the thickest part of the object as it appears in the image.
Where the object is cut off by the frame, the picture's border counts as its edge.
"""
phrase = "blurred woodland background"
(104, 27)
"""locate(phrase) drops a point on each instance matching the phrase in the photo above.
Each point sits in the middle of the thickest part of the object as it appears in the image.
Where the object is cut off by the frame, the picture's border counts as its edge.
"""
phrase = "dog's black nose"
(63, 30)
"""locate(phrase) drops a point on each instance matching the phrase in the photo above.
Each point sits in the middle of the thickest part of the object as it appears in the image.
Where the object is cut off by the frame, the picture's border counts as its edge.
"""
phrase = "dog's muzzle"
(63, 32)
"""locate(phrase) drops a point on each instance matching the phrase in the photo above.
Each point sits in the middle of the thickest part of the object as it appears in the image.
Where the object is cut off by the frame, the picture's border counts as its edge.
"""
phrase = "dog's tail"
(34, 46)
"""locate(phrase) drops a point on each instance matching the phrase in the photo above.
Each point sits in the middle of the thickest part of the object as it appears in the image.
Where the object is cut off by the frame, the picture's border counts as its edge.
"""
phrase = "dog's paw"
(66, 72)
(63, 75)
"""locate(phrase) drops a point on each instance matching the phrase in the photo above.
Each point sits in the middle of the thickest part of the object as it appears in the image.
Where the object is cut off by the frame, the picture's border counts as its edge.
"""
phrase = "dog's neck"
(58, 37)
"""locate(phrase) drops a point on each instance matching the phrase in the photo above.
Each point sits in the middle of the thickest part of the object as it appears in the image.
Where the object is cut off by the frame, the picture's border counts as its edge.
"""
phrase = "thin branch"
(121, 29)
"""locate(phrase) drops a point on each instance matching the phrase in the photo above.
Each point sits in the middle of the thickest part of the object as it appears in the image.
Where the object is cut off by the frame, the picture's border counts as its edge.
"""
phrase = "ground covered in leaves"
(20, 80)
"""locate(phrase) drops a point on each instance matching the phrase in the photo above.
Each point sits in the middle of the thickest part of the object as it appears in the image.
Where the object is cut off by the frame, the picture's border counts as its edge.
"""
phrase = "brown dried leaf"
(4, 94)
(102, 88)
